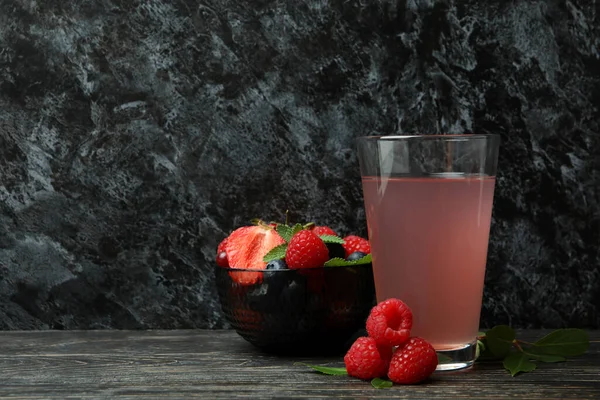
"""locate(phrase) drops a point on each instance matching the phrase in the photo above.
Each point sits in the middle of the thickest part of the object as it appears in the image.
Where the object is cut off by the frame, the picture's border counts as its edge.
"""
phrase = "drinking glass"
(428, 202)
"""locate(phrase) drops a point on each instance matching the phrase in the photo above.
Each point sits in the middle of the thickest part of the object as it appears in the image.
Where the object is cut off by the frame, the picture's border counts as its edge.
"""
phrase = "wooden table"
(219, 364)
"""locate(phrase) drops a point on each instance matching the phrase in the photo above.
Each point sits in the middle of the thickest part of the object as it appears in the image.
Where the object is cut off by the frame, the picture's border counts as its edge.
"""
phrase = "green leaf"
(379, 383)
(310, 225)
(480, 349)
(518, 362)
(340, 262)
(276, 253)
(483, 351)
(285, 232)
(499, 340)
(481, 334)
(326, 370)
(297, 228)
(442, 358)
(336, 262)
(332, 239)
(563, 342)
(548, 358)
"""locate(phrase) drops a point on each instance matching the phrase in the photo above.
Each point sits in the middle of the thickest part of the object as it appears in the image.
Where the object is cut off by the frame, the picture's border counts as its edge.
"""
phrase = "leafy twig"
(518, 355)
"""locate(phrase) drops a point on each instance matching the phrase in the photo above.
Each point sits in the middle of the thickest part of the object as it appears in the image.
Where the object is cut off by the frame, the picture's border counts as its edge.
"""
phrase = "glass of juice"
(428, 202)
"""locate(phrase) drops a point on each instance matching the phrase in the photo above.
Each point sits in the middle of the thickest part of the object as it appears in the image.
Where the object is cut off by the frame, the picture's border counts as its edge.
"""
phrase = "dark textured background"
(135, 134)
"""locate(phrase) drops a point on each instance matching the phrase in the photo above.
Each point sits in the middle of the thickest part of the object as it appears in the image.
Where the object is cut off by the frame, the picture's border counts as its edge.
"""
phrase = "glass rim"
(448, 137)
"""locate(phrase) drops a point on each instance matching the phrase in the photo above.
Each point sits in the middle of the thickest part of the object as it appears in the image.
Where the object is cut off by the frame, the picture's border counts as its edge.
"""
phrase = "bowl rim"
(291, 269)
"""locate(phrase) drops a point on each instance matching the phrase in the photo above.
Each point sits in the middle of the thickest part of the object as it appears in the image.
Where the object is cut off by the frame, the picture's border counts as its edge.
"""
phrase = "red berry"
(366, 360)
(323, 230)
(222, 260)
(222, 254)
(306, 250)
(354, 243)
(390, 322)
(246, 247)
(413, 362)
(222, 246)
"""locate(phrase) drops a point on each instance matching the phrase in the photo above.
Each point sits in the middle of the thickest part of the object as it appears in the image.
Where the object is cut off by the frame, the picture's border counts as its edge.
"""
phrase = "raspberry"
(335, 249)
(366, 360)
(306, 250)
(222, 254)
(389, 322)
(323, 230)
(413, 362)
(356, 243)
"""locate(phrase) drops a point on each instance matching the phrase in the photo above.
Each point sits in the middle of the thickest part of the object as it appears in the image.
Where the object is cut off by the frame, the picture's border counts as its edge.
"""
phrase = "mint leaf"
(310, 225)
(518, 362)
(296, 228)
(379, 383)
(499, 340)
(326, 370)
(276, 253)
(340, 262)
(285, 232)
(442, 358)
(563, 342)
(485, 353)
(332, 239)
(548, 358)
(336, 262)
(480, 349)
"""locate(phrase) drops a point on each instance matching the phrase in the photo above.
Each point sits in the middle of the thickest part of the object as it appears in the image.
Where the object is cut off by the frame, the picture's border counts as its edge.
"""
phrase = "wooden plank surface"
(219, 364)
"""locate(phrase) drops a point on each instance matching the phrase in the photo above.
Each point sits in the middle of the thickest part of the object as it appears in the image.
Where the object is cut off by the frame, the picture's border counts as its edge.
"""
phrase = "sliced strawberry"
(246, 247)
(222, 246)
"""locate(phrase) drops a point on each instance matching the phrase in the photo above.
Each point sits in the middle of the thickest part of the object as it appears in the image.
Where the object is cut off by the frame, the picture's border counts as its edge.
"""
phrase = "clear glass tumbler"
(428, 202)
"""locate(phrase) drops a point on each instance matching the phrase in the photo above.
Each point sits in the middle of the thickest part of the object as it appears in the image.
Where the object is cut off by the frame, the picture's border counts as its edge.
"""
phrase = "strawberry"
(356, 243)
(323, 230)
(306, 250)
(222, 254)
(246, 247)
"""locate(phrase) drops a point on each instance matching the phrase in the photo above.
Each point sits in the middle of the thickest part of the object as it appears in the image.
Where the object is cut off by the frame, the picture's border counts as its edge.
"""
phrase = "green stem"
(517, 345)
(524, 342)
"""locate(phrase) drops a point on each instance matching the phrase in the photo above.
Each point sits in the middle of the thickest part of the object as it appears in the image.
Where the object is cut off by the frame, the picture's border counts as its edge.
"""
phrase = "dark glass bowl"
(308, 311)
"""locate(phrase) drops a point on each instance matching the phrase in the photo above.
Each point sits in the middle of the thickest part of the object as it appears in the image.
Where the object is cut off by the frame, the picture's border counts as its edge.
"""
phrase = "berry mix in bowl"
(295, 289)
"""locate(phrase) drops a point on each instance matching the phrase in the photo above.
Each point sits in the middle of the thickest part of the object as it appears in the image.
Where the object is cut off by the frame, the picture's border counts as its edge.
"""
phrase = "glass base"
(457, 359)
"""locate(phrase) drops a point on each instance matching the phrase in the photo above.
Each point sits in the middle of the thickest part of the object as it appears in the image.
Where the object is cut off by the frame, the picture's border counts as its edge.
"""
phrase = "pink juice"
(429, 239)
